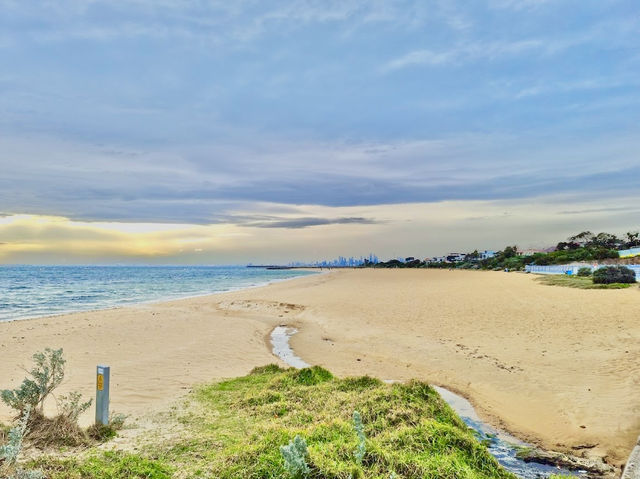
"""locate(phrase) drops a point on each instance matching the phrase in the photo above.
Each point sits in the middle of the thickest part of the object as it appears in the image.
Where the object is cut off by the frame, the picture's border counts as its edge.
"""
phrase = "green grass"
(571, 281)
(107, 465)
(236, 428)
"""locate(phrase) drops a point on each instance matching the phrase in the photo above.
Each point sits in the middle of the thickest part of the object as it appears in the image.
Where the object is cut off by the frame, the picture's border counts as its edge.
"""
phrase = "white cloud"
(206, 184)
(518, 4)
(422, 57)
(417, 229)
(213, 22)
(604, 34)
(476, 51)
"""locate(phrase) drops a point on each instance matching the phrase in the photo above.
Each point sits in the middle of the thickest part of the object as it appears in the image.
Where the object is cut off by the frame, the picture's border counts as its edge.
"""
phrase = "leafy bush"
(584, 271)
(614, 274)
(9, 452)
(295, 457)
(45, 377)
(72, 406)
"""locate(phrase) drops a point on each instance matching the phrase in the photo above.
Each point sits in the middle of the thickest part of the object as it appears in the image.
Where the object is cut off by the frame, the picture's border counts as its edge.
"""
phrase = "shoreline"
(160, 300)
(399, 324)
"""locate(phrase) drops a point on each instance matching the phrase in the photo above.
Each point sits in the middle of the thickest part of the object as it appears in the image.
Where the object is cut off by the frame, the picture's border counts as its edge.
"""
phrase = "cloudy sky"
(194, 131)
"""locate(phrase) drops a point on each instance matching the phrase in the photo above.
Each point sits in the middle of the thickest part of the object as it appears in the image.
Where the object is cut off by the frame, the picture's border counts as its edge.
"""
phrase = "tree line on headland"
(582, 247)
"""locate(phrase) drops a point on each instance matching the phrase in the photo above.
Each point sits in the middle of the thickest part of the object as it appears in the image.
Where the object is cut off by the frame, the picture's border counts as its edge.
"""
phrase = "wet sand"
(555, 366)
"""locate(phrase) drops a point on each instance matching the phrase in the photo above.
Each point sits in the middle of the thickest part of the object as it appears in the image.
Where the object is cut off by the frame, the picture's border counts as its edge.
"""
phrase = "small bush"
(584, 271)
(102, 432)
(72, 407)
(9, 452)
(45, 377)
(614, 274)
(295, 457)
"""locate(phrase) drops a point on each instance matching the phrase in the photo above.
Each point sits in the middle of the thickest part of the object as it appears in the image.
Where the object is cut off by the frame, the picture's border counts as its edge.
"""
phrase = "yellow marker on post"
(102, 395)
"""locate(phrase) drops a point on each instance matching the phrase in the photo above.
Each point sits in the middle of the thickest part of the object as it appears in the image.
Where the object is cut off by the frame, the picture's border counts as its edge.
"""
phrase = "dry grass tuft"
(46, 432)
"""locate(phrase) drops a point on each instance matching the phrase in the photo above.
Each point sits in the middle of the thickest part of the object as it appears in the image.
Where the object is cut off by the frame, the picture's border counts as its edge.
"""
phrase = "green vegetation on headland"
(583, 247)
(236, 429)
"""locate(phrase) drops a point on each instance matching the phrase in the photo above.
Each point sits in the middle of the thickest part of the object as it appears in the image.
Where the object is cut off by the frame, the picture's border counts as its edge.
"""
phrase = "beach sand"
(556, 366)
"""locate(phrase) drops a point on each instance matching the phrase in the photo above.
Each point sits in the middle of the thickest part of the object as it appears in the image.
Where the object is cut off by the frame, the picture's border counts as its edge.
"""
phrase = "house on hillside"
(486, 254)
(455, 257)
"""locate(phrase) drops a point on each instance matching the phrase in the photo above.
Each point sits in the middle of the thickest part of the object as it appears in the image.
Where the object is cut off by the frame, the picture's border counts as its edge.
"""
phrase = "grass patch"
(571, 281)
(236, 428)
(108, 465)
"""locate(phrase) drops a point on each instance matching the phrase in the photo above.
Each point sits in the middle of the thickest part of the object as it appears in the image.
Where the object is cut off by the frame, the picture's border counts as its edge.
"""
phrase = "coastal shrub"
(10, 452)
(47, 374)
(614, 274)
(72, 406)
(361, 450)
(295, 457)
(584, 271)
(104, 432)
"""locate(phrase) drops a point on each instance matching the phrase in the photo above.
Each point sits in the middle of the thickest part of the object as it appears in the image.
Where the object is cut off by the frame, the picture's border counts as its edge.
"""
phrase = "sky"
(218, 132)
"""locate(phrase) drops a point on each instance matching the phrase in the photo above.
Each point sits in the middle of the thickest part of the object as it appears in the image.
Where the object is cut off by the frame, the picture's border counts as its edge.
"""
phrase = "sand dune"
(556, 366)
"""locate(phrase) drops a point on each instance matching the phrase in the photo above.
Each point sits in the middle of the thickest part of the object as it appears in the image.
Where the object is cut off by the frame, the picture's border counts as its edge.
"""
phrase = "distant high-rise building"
(340, 261)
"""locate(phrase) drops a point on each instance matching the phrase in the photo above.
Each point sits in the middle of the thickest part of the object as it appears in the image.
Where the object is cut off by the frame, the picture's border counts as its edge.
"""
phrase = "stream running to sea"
(500, 444)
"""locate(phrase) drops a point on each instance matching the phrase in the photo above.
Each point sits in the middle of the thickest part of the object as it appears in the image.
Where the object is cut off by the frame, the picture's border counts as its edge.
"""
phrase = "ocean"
(35, 291)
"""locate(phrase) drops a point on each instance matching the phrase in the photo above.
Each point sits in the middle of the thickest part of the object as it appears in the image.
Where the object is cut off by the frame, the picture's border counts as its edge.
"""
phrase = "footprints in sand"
(260, 306)
(476, 355)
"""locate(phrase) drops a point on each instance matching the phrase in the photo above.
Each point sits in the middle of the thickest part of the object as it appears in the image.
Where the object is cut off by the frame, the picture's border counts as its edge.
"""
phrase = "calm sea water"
(33, 291)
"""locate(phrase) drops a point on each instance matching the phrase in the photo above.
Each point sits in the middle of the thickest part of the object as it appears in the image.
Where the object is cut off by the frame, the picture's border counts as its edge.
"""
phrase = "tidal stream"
(502, 445)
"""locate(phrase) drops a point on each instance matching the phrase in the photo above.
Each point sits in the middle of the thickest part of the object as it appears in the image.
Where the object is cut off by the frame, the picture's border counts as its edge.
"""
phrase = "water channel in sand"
(502, 445)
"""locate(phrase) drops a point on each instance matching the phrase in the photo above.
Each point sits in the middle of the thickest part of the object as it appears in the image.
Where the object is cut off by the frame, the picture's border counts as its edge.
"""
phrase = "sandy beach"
(555, 366)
